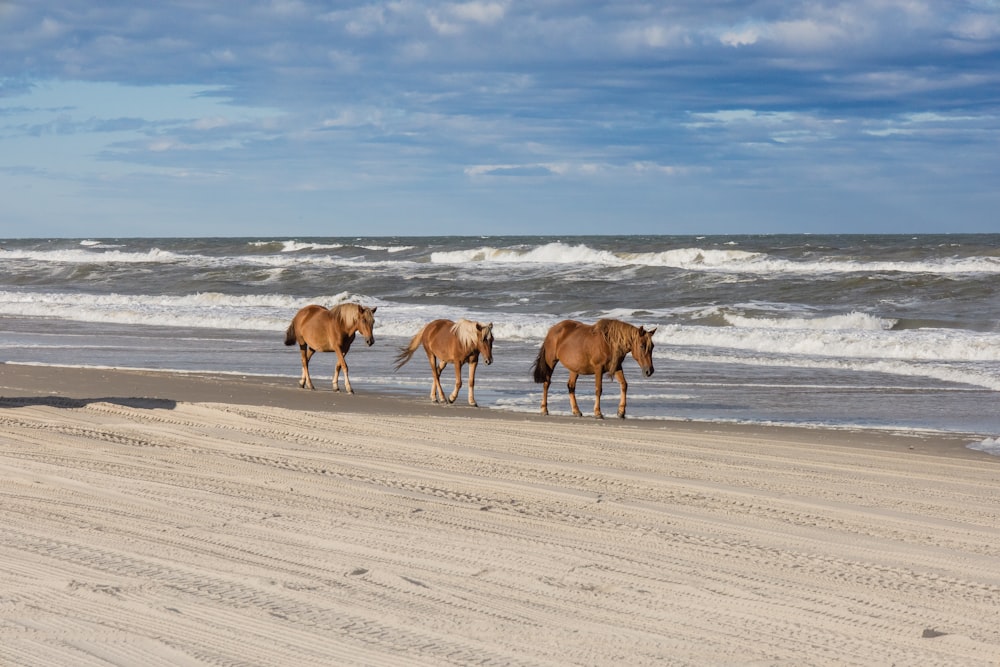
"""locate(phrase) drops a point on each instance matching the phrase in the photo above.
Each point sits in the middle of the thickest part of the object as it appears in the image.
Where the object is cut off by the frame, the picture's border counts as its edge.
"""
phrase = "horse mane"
(619, 335)
(348, 313)
(465, 331)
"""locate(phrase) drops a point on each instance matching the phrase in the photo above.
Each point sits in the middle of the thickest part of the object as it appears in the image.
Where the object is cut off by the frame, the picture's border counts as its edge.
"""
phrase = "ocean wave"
(853, 336)
(305, 246)
(708, 260)
(296, 246)
(851, 321)
(79, 256)
(945, 372)
(550, 253)
(290, 253)
(911, 345)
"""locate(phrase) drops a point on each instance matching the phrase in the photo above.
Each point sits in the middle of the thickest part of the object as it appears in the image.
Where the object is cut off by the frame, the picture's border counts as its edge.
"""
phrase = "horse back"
(316, 327)
(438, 339)
(580, 347)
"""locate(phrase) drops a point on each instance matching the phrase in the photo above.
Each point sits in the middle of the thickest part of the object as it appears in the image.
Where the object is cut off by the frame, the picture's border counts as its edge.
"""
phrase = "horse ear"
(652, 331)
(374, 308)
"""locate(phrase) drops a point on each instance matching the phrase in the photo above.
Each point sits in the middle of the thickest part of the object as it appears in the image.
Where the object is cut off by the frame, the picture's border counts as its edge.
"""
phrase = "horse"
(457, 343)
(318, 329)
(593, 349)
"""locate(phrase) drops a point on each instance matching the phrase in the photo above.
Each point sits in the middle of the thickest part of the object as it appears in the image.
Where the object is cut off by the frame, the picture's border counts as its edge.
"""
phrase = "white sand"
(214, 534)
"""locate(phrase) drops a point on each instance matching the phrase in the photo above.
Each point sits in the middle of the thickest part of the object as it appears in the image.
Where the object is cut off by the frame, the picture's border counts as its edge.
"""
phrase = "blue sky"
(295, 118)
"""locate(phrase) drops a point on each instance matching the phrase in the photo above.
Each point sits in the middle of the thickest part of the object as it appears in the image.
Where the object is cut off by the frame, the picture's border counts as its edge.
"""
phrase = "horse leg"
(598, 387)
(458, 381)
(571, 386)
(620, 374)
(304, 380)
(472, 384)
(341, 363)
(435, 378)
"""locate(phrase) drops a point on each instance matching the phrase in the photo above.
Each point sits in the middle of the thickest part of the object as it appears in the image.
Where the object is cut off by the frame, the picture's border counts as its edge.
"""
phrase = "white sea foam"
(297, 246)
(851, 321)
(916, 344)
(855, 342)
(713, 260)
(550, 253)
(958, 373)
(990, 446)
(80, 256)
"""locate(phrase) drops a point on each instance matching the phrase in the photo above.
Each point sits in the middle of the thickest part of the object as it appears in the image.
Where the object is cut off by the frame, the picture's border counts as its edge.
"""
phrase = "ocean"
(896, 333)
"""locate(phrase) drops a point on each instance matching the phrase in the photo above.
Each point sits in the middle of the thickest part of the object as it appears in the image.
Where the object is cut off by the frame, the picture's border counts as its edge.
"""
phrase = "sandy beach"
(167, 519)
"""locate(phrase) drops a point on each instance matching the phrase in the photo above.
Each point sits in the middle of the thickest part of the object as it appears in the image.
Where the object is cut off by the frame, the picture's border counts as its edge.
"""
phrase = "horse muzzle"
(369, 341)
(647, 371)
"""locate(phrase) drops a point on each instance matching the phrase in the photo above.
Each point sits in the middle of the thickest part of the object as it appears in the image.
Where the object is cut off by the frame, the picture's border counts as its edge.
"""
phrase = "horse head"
(484, 342)
(366, 323)
(642, 350)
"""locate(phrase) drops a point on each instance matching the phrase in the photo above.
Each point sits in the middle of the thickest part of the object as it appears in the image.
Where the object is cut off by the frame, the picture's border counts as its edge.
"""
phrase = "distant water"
(894, 332)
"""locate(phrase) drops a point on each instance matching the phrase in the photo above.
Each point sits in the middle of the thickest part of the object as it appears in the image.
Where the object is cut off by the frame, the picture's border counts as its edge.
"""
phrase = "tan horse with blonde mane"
(457, 343)
(593, 349)
(318, 329)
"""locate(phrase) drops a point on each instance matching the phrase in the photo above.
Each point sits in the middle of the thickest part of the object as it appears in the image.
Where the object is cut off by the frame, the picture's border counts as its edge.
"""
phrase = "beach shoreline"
(165, 518)
(116, 384)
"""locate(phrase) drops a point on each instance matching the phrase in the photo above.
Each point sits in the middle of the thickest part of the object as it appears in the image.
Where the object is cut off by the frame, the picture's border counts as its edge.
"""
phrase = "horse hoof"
(598, 416)
(475, 405)
(621, 415)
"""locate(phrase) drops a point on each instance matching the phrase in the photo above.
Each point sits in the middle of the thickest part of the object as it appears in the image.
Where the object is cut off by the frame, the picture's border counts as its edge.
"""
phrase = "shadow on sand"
(63, 402)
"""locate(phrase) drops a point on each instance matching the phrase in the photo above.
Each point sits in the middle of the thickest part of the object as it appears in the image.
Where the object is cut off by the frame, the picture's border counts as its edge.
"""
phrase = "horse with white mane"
(457, 343)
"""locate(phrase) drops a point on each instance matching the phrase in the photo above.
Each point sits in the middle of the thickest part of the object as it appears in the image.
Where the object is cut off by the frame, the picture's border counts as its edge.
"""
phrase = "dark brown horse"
(456, 343)
(318, 329)
(593, 349)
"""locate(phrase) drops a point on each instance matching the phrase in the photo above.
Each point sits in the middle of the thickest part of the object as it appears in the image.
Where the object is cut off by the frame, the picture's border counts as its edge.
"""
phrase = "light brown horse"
(593, 349)
(318, 329)
(457, 343)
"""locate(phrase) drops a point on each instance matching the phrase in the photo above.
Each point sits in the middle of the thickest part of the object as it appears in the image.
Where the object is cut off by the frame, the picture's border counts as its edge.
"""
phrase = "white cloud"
(485, 13)
(978, 27)
(656, 36)
(453, 19)
(742, 37)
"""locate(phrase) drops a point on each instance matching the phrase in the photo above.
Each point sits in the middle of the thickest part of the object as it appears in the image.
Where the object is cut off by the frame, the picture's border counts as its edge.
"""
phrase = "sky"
(296, 118)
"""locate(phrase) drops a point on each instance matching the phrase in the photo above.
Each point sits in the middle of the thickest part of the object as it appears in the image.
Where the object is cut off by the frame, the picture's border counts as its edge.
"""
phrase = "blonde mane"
(466, 332)
(349, 314)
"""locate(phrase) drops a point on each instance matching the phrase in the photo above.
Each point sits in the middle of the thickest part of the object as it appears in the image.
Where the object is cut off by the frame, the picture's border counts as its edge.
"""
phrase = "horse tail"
(290, 337)
(406, 352)
(541, 370)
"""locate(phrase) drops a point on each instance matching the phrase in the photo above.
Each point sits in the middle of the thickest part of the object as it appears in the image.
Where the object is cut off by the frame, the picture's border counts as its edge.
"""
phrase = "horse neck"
(465, 332)
(620, 335)
(348, 317)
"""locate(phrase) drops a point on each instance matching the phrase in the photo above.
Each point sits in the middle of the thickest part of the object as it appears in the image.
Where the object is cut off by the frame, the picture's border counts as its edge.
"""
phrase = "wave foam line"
(710, 260)
(942, 371)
